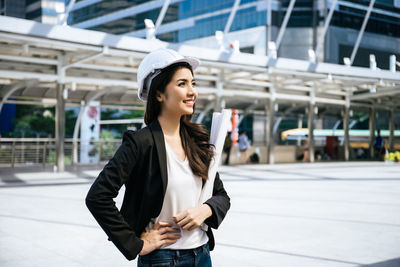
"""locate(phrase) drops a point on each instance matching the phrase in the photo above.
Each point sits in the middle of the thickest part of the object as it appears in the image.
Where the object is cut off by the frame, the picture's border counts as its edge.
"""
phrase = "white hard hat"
(153, 63)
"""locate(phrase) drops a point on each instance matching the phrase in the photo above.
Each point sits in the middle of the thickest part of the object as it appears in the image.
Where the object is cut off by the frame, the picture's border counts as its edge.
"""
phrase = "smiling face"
(180, 94)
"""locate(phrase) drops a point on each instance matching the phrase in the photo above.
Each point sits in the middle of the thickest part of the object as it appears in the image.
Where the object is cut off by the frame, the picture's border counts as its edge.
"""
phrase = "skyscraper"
(45, 11)
(196, 22)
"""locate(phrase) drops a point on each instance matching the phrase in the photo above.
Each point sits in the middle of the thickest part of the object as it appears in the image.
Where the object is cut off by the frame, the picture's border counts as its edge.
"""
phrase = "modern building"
(44, 11)
(367, 33)
(289, 79)
(12, 8)
(247, 23)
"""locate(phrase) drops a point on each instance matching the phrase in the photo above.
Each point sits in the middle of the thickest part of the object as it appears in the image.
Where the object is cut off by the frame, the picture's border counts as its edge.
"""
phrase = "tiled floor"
(323, 214)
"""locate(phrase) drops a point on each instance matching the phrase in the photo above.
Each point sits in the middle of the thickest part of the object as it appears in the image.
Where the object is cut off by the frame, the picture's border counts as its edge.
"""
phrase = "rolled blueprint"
(219, 129)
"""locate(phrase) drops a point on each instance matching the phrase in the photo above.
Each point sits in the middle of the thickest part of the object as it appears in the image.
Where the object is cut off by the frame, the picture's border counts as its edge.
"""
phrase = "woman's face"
(180, 94)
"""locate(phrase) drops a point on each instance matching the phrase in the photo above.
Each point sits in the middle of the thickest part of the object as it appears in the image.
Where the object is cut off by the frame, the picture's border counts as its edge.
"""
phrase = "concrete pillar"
(269, 24)
(270, 110)
(391, 130)
(310, 125)
(60, 127)
(372, 126)
(346, 141)
(299, 125)
(219, 102)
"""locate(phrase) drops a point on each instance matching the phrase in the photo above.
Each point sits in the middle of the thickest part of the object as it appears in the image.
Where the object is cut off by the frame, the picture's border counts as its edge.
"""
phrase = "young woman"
(163, 167)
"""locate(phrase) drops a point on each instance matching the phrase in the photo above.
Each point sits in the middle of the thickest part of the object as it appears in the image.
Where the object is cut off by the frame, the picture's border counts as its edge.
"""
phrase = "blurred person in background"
(244, 145)
(227, 147)
(379, 147)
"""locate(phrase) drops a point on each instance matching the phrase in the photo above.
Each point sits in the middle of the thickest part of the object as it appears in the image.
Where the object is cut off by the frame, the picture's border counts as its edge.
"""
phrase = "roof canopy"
(34, 57)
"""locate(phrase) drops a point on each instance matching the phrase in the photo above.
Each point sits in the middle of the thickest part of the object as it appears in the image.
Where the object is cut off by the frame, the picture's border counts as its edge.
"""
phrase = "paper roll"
(219, 129)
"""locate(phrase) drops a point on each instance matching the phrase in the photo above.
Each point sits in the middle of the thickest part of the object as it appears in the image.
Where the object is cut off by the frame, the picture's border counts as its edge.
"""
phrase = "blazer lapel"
(158, 137)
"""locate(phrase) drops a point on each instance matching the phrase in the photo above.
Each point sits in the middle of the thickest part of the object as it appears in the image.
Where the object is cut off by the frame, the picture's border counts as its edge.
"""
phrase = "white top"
(183, 192)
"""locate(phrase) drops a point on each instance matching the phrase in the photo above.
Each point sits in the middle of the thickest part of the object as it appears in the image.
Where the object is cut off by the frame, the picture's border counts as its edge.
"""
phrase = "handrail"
(42, 151)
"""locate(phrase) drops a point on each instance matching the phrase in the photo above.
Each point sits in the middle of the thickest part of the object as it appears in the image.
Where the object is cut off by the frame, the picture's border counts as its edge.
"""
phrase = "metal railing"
(42, 151)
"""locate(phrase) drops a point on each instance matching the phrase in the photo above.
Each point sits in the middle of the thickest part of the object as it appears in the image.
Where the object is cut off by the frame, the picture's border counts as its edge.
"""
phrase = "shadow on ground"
(389, 263)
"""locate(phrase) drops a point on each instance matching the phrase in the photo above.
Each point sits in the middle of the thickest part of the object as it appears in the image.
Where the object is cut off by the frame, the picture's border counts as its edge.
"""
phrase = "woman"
(163, 167)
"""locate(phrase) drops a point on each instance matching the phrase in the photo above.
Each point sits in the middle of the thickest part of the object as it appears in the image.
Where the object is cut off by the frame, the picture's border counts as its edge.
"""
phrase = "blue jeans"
(197, 257)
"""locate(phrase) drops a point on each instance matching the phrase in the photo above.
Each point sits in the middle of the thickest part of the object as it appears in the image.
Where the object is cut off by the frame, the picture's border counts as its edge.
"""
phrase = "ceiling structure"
(35, 57)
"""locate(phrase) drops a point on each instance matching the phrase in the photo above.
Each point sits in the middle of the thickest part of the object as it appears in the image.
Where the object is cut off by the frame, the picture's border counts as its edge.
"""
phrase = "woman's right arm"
(100, 201)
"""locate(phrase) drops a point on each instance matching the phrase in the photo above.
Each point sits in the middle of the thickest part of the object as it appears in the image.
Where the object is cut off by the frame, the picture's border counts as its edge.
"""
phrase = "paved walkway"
(323, 214)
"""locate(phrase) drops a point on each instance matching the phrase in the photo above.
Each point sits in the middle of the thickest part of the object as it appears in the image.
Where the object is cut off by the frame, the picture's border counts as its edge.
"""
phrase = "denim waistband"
(175, 253)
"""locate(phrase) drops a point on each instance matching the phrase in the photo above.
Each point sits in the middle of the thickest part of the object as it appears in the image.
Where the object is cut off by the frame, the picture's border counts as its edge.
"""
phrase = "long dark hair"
(194, 136)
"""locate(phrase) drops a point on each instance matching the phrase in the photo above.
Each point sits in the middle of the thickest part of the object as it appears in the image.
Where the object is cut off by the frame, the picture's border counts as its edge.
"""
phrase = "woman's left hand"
(192, 218)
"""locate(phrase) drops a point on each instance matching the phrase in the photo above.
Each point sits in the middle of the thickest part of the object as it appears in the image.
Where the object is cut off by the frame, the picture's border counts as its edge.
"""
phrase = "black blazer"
(140, 164)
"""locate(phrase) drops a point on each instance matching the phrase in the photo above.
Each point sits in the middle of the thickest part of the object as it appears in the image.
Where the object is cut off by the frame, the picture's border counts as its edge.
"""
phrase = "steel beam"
(231, 16)
(120, 14)
(161, 16)
(29, 59)
(91, 57)
(66, 14)
(70, 38)
(284, 24)
(80, 39)
(85, 3)
(380, 93)
(9, 90)
(85, 103)
(165, 28)
(122, 121)
(361, 33)
(376, 10)
(201, 116)
(247, 111)
(189, 21)
(326, 26)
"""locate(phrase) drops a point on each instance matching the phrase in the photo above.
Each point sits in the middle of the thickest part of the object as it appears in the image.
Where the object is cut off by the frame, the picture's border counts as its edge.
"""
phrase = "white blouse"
(183, 192)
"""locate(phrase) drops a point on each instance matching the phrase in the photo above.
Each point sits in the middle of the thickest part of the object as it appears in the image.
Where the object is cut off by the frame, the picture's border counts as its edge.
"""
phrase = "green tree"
(114, 114)
(33, 121)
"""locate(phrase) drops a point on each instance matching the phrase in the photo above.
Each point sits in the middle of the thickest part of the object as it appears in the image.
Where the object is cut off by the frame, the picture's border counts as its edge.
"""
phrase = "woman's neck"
(170, 125)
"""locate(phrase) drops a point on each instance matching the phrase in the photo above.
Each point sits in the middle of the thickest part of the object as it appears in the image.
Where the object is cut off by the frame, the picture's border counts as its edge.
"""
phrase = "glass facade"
(351, 17)
(126, 24)
(34, 14)
(304, 14)
(45, 11)
(12, 8)
(346, 16)
(244, 19)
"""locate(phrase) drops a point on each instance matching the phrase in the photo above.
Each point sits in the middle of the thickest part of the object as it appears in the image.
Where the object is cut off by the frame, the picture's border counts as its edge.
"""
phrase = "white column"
(391, 130)
(299, 125)
(310, 124)
(270, 110)
(372, 116)
(346, 135)
(60, 127)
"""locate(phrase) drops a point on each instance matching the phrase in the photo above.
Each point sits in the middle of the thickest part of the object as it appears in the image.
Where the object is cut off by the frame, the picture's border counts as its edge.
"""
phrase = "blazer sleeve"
(219, 203)
(100, 201)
